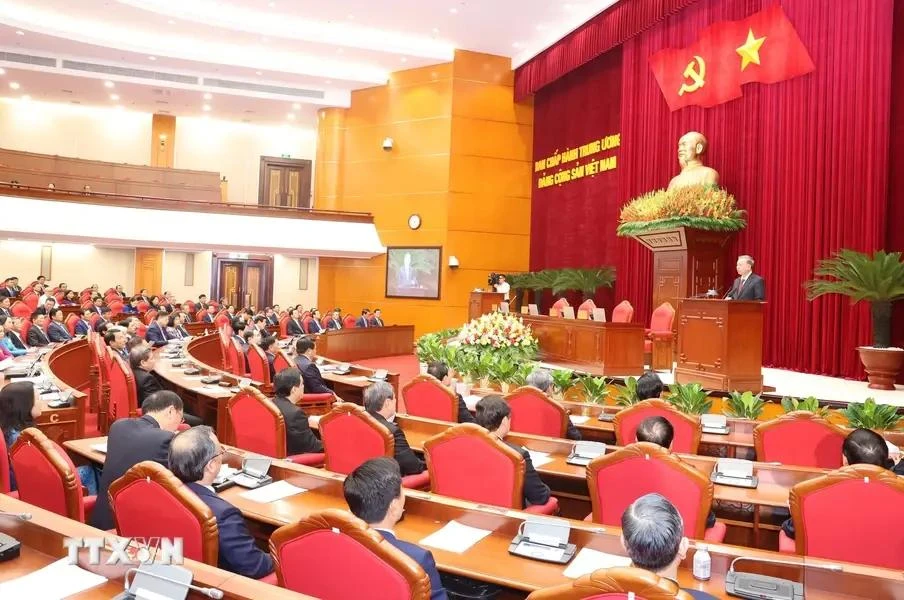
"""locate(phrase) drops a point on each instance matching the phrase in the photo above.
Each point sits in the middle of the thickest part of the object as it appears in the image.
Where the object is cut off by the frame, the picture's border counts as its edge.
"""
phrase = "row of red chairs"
(661, 321)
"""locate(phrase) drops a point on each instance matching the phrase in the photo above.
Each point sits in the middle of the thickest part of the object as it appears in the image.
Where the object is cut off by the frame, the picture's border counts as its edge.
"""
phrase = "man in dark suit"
(57, 331)
(104, 319)
(5, 303)
(83, 326)
(270, 345)
(208, 315)
(304, 360)
(314, 326)
(653, 536)
(380, 403)
(47, 306)
(116, 340)
(439, 370)
(98, 305)
(335, 321)
(12, 288)
(542, 380)
(195, 457)
(494, 415)
(131, 441)
(36, 335)
(377, 320)
(289, 390)
(748, 285)
(293, 325)
(374, 494)
(202, 302)
(364, 319)
(156, 332)
(142, 360)
(271, 316)
(120, 291)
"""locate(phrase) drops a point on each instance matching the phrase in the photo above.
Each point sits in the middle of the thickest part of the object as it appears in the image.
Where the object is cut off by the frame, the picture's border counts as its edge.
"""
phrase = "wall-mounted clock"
(414, 221)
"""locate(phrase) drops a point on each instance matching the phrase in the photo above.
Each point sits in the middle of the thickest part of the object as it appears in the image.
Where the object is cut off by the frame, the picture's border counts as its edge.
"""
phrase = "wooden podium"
(720, 344)
(482, 303)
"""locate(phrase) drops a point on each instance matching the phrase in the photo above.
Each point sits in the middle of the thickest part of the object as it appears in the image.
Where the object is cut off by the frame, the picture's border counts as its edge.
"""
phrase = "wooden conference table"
(42, 544)
(489, 559)
(360, 343)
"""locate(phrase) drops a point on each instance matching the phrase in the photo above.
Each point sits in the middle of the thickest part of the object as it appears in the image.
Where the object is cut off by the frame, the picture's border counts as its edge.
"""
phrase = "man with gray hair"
(748, 285)
(195, 457)
(653, 536)
(542, 380)
(380, 403)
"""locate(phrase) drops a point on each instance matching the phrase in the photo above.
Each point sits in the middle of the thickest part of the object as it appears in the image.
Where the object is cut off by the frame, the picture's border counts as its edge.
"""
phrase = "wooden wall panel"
(163, 141)
(149, 270)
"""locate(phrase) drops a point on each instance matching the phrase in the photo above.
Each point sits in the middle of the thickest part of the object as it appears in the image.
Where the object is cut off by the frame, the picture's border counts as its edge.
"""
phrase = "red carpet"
(405, 365)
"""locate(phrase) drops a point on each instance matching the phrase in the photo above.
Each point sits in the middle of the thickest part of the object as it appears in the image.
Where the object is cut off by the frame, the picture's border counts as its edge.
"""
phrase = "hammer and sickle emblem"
(696, 72)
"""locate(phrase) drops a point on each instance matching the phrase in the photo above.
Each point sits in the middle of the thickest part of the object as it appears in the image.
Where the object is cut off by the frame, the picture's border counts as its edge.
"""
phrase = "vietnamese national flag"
(763, 48)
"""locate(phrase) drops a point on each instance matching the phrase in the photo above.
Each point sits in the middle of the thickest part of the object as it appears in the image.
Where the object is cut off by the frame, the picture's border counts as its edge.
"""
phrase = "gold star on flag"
(750, 51)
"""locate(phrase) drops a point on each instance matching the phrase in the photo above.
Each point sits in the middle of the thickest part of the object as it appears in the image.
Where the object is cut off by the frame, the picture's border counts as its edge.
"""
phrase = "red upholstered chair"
(351, 437)
(535, 413)
(660, 326)
(623, 312)
(4, 469)
(71, 320)
(621, 583)
(93, 320)
(46, 325)
(324, 320)
(188, 306)
(800, 438)
(587, 306)
(46, 476)
(110, 291)
(23, 331)
(149, 489)
(560, 305)
(616, 480)
(305, 556)
(306, 323)
(852, 515)
(20, 309)
(235, 358)
(87, 303)
(466, 462)
(425, 396)
(143, 306)
(687, 428)
(199, 316)
(222, 319)
(116, 307)
(348, 322)
(258, 365)
(123, 393)
(31, 300)
(258, 426)
(305, 315)
(284, 326)
(282, 361)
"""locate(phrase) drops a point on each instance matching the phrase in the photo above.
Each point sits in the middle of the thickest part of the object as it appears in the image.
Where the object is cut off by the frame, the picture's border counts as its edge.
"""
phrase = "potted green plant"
(501, 372)
(626, 395)
(586, 281)
(522, 371)
(596, 389)
(518, 283)
(690, 398)
(429, 348)
(869, 415)
(744, 406)
(878, 279)
(562, 380)
(482, 367)
(540, 281)
(810, 403)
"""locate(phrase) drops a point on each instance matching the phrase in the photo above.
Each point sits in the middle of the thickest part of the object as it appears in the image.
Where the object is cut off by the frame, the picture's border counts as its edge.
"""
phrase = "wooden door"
(243, 282)
(285, 182)
(149, 270)
(230, 282)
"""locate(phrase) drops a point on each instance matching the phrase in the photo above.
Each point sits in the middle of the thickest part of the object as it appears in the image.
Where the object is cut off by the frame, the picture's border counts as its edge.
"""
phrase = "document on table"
(455, 537)
(579, 419)
(588, 561)
(539, 458)
(272, 492)
(101, 447)
(55, 581)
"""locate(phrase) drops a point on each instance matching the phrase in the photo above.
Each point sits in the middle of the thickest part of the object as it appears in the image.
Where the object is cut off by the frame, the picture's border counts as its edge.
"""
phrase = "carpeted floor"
(405, 365)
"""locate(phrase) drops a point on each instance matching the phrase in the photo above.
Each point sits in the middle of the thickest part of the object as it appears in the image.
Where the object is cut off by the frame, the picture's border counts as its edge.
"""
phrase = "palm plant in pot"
(586, 281)
(878, 279)
(539, 282)
(518, 283)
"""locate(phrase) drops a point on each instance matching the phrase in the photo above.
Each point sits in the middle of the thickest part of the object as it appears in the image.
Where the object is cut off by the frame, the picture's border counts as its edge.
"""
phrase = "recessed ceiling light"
(171, 22)
(114, 97)
(517, 45)
(2, 71)
(26, 97)
(14, 85)
(567, 6)
(453, 11)
(541, 27)
(208, 96)
(152, 58)
(20, 32)
(340, 50)
(205, 108)
(272, 4)
(436, 30)
(291, 116)
(296, 106)
(258, 73)
(351, 17)
(109, 84)
(404, 59)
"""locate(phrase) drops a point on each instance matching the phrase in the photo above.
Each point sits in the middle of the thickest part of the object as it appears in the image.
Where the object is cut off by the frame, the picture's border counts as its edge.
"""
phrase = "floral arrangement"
(501, 334)
(698, 206)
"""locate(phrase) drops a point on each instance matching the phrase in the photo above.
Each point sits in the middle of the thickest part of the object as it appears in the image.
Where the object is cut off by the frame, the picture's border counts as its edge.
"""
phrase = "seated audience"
(270, 346)
(131, 308)
(115, 339)
(259, 323)
(63, 288)
(314, 326)
(7, 341)
(5, 304)
(120, 291)
(542, 380)
(495, 415)
(238, 329)
(5, 352)
(439, 370)
(11, 288)
(45, 306)
(209, 315)
(57, 331)
(12, 326)
(135, 342)
(202, 302)
(335, 321)
(653, 536)
(375, 495)
(377, 319)
(310, 372)
(271, 317)
(174, 328)
(131, 441)
(83, 325)
(658, 430)
(293, 325)
(130, 325)
(364, 319)
(380, 403)
(649, 386)
(289, 391)
(36, 335)
(195, 457)
(70, 298)
(156, 332)
(230, 310)
(42, 280)
(250, 336)
(103, 320)
(142, 360)
(47, 298)
(97, 305)
(142, 296)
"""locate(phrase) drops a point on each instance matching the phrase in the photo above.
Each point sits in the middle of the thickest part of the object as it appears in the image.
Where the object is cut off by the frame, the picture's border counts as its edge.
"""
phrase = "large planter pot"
(882, 366)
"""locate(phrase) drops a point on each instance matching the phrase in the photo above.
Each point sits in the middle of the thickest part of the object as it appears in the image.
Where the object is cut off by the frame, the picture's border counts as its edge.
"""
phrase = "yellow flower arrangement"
(698, 206)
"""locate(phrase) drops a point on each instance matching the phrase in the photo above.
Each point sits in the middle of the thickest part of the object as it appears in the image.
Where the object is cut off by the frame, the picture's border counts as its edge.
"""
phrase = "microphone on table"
(23, 516)
(765, 587)
(141, 584)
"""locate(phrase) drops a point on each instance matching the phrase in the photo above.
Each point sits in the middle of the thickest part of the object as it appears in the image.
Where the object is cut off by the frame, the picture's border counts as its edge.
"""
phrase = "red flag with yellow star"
(763, 48)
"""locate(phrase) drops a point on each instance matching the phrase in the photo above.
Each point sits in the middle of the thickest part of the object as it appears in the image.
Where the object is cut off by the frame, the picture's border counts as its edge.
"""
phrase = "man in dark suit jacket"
(494, 415)
(195, 457)
(314, 326)
(46, 307)
(364, 319)
(142, 360)
(439, 370)
(116, 339)
(208, 315)
(313, 380)
(156, 332)
(335, 321)
(36, 335)
(57, 331)
(5, 303)
(83, 326)
(131, 441)
(380, 403)
(374, 494)
(97, 306)
(293, 325)
(748, 285)
(377, 320)
(271, 316)
(12, 288)
(270, 346)
(289, 390)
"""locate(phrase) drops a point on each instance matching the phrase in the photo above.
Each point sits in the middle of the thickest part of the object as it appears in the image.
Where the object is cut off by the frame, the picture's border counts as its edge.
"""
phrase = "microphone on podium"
(23, 516)
(765, 587)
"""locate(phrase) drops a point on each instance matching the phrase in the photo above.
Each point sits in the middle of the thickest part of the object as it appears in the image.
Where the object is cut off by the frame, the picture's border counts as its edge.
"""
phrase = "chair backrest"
(284, 326)
(662, 317)
(4, 466)
(800, 438)
(425, 396)
(123, 393)
(258, 365)
(199, 316)
(349, 321)
(560, 304)
(282, 361)
(150, 316)
(31, 301)
(853, 515)
(45, 475)
(221, 319)
(351, 436)
(587, 306)
(189, 306)
(306, 323)
(325, 319)
(20, 309)
(116, 307)
(617, 479)
(467, 462)
(305, 556)
(535, 413)
(87, 303)
(623, 312)
(23, 332)
(71, 320)
(257, 424)
(620, 583)
(147, 489)
(687, 428)
(235, 358)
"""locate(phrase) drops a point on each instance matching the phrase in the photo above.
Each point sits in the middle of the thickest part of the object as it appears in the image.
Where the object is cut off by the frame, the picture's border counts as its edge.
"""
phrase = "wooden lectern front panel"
(701, 345)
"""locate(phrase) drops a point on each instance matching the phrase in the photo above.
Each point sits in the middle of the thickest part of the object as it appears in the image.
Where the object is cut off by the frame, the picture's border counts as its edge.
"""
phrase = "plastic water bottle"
(702, 563)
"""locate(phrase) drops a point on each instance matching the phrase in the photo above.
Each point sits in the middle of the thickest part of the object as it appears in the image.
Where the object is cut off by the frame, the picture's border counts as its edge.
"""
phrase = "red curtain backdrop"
(807, 158)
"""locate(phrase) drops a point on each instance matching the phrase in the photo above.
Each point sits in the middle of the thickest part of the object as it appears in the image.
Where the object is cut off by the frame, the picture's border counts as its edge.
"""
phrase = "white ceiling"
(326, 49)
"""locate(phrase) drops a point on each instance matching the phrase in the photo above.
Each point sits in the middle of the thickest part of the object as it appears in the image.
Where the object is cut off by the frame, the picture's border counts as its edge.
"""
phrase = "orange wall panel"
(492, 139)
(488, 213)
(495, 176)
(491, 102)
(485, 68)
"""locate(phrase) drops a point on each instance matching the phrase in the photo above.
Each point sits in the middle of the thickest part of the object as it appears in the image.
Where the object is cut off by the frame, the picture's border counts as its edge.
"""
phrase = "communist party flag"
(764, 48)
